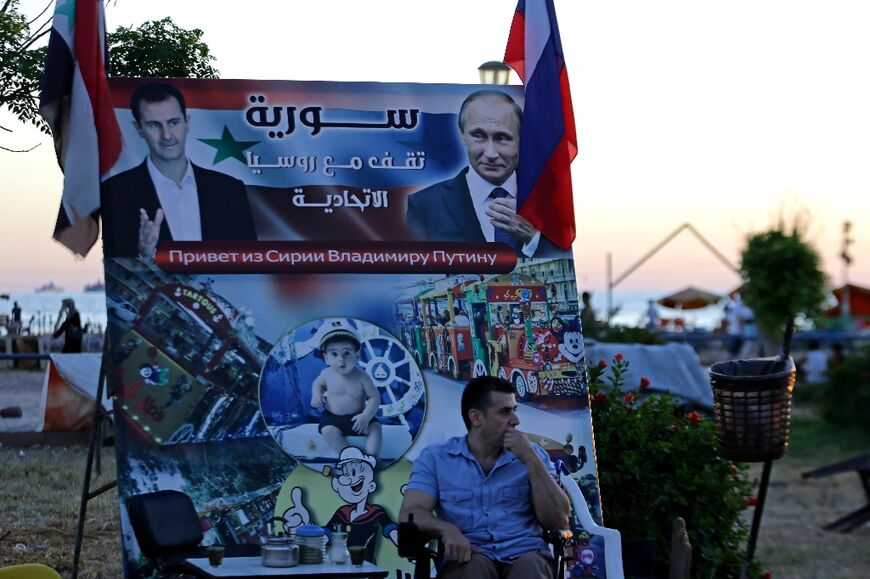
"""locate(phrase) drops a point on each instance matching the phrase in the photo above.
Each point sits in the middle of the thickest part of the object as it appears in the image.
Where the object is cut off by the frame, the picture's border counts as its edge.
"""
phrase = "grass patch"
(791, 542)
(40, 486)
(40, 490)
(814, 440)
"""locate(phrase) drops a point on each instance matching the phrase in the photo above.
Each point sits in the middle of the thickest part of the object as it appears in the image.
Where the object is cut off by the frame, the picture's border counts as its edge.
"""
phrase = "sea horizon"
(42, 308)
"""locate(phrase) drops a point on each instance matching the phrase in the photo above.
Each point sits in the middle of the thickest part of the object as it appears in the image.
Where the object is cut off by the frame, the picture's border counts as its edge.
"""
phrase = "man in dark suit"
(167, 197)
(479, 204)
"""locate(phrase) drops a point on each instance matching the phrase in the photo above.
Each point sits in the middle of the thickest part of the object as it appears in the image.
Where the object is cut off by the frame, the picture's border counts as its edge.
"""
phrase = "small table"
(247, 567)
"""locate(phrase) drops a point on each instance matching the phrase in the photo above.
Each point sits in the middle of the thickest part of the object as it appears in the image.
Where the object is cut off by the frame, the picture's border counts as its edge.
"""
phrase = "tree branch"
(35, 18)
(19, 150)
(33, 39)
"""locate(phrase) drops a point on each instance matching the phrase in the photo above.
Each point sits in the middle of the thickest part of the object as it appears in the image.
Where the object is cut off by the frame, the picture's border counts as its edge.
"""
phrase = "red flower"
(600, 397)
(618, 357)
(629, 398)
(644, 382)
(767, 575)
(694, 417)
(751, 501)
(602, 363)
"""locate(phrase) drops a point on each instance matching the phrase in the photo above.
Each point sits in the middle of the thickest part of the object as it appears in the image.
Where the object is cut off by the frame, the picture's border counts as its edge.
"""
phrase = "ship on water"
(97, 286)
(49, 287)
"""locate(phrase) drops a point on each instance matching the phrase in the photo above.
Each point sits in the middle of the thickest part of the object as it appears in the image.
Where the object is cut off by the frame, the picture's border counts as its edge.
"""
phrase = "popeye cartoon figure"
(353, 479)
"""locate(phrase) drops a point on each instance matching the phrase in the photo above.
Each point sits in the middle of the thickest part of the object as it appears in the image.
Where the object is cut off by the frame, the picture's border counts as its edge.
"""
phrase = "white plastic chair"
(583, 519)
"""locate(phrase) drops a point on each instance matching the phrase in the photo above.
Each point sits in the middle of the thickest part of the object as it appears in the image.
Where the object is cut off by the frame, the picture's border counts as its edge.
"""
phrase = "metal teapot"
(277, 549)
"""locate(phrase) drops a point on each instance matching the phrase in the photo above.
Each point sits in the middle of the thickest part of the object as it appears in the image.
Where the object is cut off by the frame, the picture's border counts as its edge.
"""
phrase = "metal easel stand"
(96, 438)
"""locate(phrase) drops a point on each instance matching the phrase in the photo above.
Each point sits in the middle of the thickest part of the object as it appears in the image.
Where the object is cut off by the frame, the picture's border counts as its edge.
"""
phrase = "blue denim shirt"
(493, 511)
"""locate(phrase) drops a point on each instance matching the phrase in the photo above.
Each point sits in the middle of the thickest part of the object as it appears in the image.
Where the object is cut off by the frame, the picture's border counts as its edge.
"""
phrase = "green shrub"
(657, 462)
(627, 335)
(844, 399)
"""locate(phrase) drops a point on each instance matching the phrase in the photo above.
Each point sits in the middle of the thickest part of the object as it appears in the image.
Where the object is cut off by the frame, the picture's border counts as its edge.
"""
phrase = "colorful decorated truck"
(502, 326)
(517, 338)
(409, 326)
(446, 331)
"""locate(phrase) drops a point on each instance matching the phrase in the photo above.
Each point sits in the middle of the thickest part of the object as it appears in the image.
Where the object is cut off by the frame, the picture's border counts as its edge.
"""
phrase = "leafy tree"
(159, 48)
(156, 49)
(20, 63)
(783, 277)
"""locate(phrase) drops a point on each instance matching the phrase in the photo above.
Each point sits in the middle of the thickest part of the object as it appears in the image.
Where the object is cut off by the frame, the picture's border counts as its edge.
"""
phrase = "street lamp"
(845, 301)
(494, 72)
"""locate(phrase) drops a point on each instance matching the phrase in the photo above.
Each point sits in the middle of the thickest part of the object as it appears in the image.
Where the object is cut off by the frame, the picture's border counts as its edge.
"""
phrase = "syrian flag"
(548, 141)
(75, 102)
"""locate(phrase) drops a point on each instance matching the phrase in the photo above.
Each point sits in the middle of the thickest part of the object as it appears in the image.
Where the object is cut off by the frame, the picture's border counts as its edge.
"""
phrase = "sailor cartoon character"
(353, 479)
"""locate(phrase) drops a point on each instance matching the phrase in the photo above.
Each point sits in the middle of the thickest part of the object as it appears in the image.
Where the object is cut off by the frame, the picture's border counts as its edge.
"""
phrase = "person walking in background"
(749, 338)
(733, 324)
(69, 323)
(652, 316)
(15, 328)
(588, 322)
(836, 355)
(815, 363)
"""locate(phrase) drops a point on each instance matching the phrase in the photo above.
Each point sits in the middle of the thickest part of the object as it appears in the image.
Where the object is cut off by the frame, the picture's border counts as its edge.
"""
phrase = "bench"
(861, 465)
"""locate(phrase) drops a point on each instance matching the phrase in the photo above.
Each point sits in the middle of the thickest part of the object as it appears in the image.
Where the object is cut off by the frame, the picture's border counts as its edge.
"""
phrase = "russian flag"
(75, 102)
(548, 141)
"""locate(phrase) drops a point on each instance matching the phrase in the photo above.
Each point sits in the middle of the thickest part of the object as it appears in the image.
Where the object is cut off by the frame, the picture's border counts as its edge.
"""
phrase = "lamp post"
(494, 72)
(845, 302)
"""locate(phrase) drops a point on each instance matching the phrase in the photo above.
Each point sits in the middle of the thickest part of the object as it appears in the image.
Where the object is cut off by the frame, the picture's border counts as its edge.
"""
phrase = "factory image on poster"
(293, 352)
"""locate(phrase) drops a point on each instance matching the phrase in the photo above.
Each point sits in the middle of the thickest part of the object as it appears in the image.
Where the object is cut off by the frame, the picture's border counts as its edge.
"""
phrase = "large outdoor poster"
(325, 237)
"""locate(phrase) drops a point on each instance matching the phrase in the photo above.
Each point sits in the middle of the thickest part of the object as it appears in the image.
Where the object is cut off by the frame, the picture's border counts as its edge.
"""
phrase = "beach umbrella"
(690, 298)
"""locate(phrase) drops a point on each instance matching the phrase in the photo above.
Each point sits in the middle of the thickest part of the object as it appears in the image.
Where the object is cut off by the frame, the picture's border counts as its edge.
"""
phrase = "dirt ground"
(791, 542)
(40, 488)
(22, 388)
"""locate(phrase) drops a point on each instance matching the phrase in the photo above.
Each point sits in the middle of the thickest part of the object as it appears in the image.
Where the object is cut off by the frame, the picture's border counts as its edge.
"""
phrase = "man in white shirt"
(815, 363)
(480, 203)
(167, 197)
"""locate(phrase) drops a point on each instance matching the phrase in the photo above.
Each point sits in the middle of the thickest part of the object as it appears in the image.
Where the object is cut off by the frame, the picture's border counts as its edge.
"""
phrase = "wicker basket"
(752, 406)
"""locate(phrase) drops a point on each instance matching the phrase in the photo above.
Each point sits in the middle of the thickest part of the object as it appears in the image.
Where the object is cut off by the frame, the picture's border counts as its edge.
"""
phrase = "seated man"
(492, 490)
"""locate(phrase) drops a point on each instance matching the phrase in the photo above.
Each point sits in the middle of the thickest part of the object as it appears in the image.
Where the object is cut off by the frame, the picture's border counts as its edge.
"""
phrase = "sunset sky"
(712, 113)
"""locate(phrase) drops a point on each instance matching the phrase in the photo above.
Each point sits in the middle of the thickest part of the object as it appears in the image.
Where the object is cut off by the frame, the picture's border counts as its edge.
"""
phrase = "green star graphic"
(227, 146)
